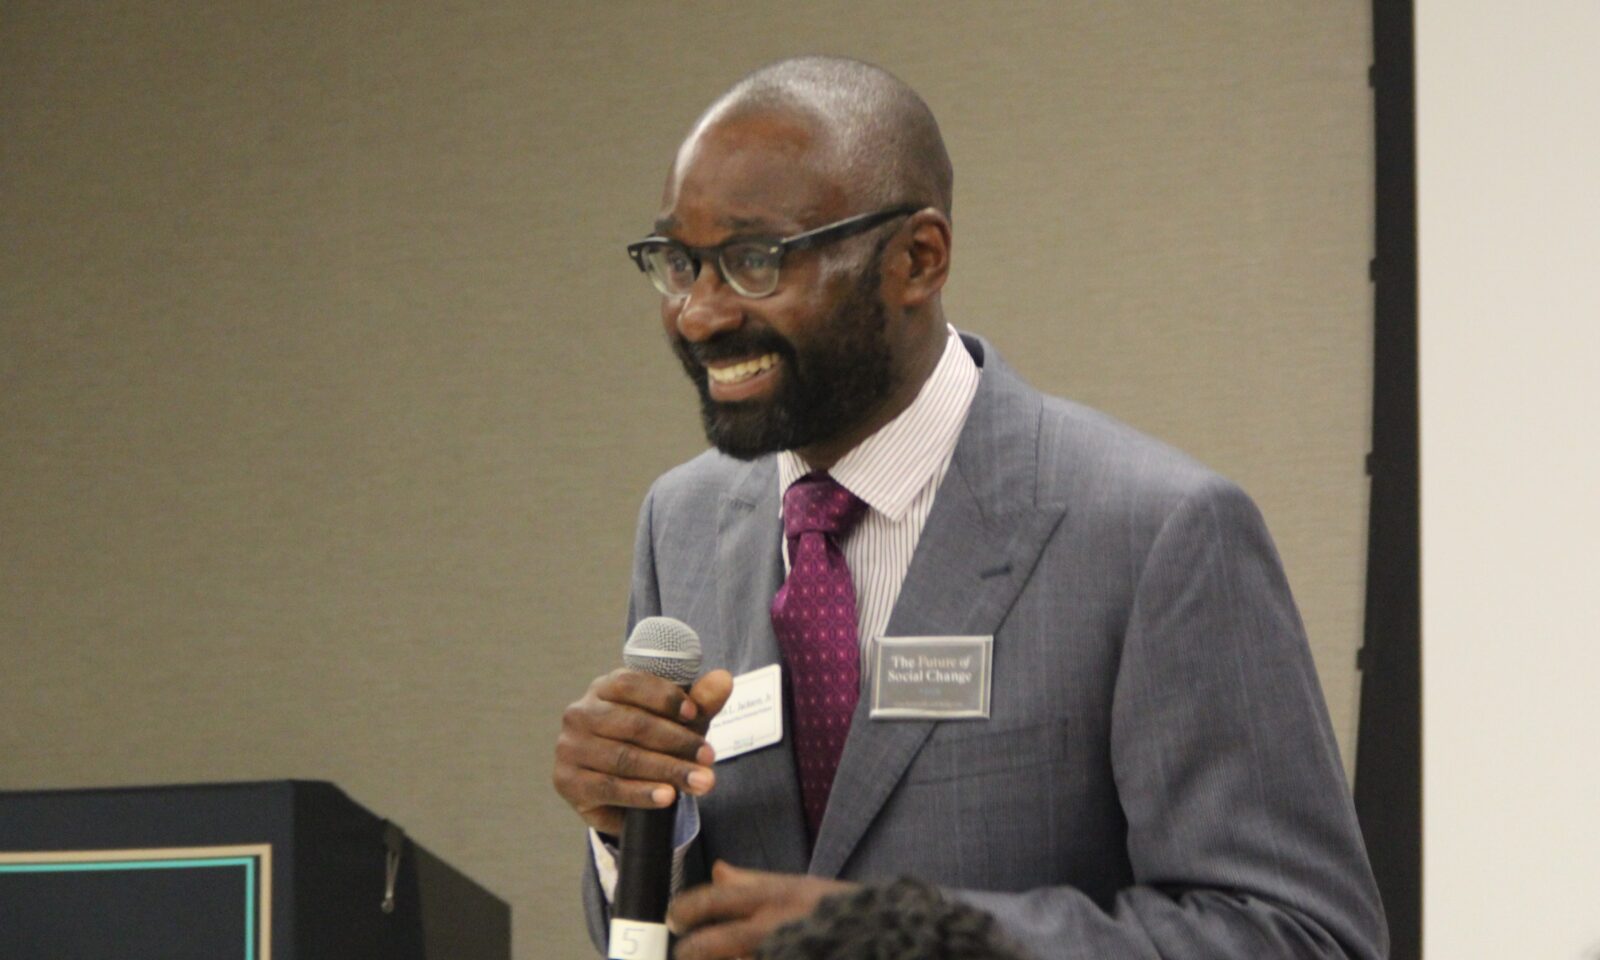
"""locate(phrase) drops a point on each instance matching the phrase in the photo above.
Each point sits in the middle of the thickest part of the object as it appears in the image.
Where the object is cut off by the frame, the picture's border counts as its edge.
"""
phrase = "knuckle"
(569, 787)
(570, 750)
(575, 714)
(608, 687)
(648, 692)
(637, 727)
(610, 788)
(626, 760)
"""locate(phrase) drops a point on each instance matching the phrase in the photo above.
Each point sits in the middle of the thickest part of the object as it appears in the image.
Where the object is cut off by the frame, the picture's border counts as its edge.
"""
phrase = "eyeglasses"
(748, 265)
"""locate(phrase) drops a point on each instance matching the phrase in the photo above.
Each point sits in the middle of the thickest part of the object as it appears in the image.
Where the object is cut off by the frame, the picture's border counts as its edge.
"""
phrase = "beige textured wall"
(327, 395)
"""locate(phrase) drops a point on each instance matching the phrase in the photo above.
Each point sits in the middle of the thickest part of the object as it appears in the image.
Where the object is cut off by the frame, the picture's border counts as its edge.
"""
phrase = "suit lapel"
(980, 543)
(749, 572)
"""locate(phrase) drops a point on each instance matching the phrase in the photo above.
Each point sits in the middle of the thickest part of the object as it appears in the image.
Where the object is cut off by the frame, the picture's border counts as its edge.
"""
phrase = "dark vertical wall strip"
(1388, 780)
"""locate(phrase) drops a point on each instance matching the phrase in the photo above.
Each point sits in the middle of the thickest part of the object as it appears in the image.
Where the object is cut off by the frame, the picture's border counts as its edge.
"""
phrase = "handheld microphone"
(669, 649)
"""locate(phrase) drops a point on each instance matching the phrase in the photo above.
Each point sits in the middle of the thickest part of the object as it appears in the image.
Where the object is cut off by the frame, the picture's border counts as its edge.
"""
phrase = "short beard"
(829, 384)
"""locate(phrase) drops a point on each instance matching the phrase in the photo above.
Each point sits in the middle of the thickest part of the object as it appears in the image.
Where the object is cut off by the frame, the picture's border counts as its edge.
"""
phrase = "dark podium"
(287, 870)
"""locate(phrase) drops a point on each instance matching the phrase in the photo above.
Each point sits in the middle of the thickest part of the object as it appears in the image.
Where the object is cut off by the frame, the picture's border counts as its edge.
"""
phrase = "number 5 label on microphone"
(637, 940)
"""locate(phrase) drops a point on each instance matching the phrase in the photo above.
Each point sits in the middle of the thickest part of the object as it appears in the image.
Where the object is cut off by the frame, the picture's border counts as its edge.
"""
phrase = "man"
(1155, 775)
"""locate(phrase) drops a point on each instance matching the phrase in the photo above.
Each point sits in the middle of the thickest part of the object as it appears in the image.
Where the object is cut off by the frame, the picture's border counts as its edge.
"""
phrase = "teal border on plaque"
(249, 864)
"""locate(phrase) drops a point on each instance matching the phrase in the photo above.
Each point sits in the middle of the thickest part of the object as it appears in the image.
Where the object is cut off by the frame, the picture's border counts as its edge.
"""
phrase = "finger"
(714, 903)
(627, 761)
(645, 691)
(710, 694)
(724, 941)
(589, 792)
(726, 874)
(646, 730)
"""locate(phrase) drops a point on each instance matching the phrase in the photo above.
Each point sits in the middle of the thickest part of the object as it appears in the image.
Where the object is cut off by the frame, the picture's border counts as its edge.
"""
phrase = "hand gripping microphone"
(668, 649)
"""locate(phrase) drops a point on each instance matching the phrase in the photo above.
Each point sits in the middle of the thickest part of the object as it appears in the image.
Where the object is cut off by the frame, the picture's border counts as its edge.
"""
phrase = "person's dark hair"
(905, 920)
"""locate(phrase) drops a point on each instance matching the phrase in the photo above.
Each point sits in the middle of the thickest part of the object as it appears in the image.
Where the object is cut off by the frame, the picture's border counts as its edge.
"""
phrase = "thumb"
(725, 874)
(710, 693)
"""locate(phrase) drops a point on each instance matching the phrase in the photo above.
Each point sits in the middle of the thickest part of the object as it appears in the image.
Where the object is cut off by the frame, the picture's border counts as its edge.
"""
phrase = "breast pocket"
(974, 749)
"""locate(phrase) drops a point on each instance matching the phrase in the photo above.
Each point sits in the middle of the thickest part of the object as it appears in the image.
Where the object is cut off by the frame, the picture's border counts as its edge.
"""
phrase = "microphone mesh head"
(665, 647)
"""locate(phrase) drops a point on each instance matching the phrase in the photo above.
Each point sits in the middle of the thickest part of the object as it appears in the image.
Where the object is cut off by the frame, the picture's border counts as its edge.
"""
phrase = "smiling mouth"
(742, 371)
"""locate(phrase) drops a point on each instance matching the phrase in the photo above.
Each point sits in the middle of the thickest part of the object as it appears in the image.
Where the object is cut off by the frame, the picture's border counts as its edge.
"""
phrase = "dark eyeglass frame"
(826, 234)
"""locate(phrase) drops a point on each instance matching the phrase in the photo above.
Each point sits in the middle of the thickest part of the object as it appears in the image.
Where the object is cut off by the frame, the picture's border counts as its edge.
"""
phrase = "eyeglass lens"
(750, 268)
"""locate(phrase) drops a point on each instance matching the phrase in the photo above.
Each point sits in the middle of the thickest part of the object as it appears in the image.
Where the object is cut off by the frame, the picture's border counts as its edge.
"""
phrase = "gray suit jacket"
(1158, 777)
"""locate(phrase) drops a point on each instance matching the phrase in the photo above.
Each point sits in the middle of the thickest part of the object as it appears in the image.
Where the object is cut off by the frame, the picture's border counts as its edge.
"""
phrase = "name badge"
(931, 678)
(753, 716)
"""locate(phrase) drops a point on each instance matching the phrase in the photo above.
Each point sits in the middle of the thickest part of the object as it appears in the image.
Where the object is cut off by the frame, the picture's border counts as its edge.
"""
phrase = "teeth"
(735, 372)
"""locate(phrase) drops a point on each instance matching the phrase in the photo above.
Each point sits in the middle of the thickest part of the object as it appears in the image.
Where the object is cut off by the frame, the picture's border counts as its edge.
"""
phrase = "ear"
(926, 259)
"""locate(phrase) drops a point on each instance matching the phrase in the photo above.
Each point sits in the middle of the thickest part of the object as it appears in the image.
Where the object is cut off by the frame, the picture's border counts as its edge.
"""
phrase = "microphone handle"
(644, 870)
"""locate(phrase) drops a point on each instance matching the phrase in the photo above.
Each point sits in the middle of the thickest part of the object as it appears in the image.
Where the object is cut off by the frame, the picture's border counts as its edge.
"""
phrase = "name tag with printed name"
(931, 678)
(753, 716)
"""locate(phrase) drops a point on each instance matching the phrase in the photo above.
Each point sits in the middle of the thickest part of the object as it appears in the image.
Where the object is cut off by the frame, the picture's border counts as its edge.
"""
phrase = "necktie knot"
(816, 503)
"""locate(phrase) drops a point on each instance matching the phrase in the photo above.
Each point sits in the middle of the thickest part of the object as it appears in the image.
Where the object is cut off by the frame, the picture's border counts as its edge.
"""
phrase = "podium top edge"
(217, 786)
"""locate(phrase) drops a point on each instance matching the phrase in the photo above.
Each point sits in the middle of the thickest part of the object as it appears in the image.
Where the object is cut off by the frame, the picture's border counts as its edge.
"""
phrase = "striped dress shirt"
(897, 472)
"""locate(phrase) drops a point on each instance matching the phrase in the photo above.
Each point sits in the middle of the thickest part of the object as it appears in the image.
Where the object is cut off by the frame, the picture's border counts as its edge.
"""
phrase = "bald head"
(871, 131)
(853, 326)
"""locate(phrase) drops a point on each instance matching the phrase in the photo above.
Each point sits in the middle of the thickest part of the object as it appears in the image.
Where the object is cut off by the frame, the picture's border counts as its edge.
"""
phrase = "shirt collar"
(889, 468)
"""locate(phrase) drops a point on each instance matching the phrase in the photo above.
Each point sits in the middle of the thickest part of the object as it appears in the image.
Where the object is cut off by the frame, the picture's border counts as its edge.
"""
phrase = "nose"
(710, 307)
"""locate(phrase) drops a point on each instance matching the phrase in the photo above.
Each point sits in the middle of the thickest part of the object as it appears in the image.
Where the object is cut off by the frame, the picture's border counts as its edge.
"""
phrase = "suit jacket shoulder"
(1111, 474)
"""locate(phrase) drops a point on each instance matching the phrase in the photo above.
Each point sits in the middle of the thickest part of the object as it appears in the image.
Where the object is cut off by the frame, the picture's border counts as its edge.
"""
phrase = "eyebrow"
(736, 225)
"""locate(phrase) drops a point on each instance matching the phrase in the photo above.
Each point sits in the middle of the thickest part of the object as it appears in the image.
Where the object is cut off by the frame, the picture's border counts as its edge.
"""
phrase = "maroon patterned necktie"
(814, 617)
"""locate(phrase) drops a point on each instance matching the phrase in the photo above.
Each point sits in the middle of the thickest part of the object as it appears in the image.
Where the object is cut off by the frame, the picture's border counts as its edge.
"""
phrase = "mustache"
(734, 345)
